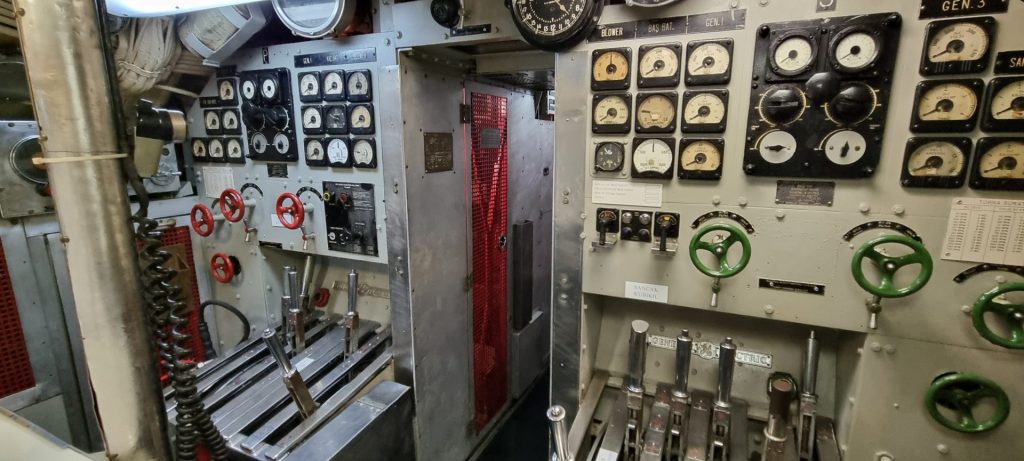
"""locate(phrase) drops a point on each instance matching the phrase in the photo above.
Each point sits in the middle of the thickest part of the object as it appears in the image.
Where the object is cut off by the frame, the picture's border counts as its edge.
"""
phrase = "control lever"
(286, 302)
(719, 447)
(776, 433)
(607, 228)
(635, 387)
(663, 226)
(654, 438)
(808, 400)
(556, 415)
(292, 379)
(296, 317)
(351, 321)
(307, 282)
(680, 396)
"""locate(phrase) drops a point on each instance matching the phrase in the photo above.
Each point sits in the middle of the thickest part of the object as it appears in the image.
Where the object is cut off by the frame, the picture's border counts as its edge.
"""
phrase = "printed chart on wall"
(985, 231)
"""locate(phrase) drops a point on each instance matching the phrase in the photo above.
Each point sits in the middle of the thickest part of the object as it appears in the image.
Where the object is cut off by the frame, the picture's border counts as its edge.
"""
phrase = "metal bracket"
(465, 113)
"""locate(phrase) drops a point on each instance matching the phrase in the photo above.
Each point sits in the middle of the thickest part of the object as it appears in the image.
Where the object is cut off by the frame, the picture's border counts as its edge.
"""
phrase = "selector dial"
(855, 51)
(844, 147)
(793, 55)
(776, 146)
(259, 143)
(936, 159)
(282, 144)
(853, 104)
(782, 104)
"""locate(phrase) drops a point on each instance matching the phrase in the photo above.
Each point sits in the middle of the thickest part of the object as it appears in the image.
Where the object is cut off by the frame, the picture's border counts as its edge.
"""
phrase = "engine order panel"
(351, 217)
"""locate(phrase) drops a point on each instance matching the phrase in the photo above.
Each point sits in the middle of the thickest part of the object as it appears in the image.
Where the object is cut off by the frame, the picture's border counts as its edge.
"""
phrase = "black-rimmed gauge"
(998, 164)
(656, 112)
(216, 150)
(364, 153)
(282, 144)
(854, 103)
(259, 143)
(229, 122)
(234, 151)
(1005, 105)
(250, 89)
(782, 104)
(776, 146)
(659, 65)
(334, 85)
(935, 162)
(336, 120)
(653, 158)
(844, 147)
(211, 120)
(957, 46)
(792, 54)
(315, 152)
(359, 86)
(609, 157)
(701, 158)
(705, 111)
(610, 69)
(708, 62)
(854, 50)
(312, 120)
(946, 106)
(270, 88)
(555, 25)
(226, 90)
(360, 119)
(338, 153)
(199, 151)
(309, 87)
(611, 113)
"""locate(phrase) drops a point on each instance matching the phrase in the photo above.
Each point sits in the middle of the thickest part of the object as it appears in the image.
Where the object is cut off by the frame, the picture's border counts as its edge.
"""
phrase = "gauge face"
(259, 143)
(793, 55)
(844, 147)
(704, 108)
(312, 119)
(364, 153)
(268, 88)
(337, 152)
(700, 155)
(855, 52)
(234, 148)
(216, 149)
(959, 41)
(309, 87)
(248, 89)
(610, 66)
(358, 86)
(659, 65)
(229, 120)
(198, 148)
(1008, 102)
(314, 150)
(336, 120)
(334, 86)
(776, 146)
(936, 159)
(948, 101)
(611, 114)
(549, 18)
(226, 90)
(212, 120)
(708, 62)
(609, 156)
(656, 113)
(652, 158)
(282, 144)
(360, 119)
(1003, 161)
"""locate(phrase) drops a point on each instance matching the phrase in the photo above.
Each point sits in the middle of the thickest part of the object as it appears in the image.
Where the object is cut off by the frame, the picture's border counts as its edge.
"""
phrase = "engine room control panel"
(351, 217)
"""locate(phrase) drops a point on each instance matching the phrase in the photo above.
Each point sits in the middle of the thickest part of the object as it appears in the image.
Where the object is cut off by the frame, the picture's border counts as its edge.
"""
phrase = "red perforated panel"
(181, 236)
(15, 367)
(490, 224)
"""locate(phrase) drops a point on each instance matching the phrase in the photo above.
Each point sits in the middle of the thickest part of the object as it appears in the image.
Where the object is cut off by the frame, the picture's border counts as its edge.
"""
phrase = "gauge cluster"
(221, 125)
(337, 108)
(266, 111)
(819, 100)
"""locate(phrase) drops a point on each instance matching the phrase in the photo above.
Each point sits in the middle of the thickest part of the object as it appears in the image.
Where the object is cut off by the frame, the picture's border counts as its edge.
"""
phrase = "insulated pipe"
(62, 41)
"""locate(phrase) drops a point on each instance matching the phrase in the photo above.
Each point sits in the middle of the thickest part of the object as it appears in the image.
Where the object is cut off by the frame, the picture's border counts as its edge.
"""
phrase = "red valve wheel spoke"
(232, 205)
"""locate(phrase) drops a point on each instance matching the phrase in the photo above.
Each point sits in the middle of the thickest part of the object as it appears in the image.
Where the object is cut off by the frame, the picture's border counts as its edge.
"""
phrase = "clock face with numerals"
(555, 24)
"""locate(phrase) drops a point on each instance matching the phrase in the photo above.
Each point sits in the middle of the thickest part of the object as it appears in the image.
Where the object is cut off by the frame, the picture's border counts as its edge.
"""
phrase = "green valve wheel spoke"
(961, 393)
(720, 250)
(889, 265)
(1011, 314)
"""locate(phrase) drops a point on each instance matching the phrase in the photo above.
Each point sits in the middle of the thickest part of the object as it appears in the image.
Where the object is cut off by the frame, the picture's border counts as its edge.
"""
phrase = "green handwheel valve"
(719, 248)
(961, 393)
(1013, 314)
(888, 266)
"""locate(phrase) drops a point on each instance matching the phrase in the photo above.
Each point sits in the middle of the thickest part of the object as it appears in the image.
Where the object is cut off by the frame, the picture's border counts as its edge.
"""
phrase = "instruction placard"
(985, 231)
(216, 179)
(607, 192)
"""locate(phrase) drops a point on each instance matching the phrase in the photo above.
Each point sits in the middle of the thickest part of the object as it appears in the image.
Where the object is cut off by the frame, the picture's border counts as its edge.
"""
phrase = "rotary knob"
(853, 103)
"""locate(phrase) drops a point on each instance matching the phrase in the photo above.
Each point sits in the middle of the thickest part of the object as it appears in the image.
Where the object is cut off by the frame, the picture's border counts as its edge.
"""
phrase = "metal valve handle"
(720, 250)
(202, 220)
(1012, 313)
(960, 392)
(222, 268)
(294, 214)
(232, 205)
(889, 265)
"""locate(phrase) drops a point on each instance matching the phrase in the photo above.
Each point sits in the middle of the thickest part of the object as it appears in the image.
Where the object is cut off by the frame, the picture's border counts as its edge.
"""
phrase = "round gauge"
(609, 156)
(855, 51)
(360, 117)
(656, 112)
(776, 146)
(314, 150)
(947, 101)
(198, 148)
(234, 148)
(936, 158)
(711, 58)
(700, 156)
(259, 143)
(782, 104)
(212, 120)
(960, 41)
(610, 66)
(555, 24)
(793, 55)
(216, 148)
(362, 152)
(268, 88)
(282, 143)
(248, 89)
(652, 156)
(658, 62)
(230, 120)
(336, 119)
(1004, 161)
(704, 108)
(333, 86)
(1008, 102)
(844, 147)
(337, 151)
(227, 90)
(314, 18)
(309, 85)
(611, 110)
(358, 84)
(311, 119)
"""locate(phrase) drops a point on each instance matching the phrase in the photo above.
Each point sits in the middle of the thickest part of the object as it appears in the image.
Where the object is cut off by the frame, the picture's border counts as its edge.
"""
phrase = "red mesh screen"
(490, 224)
(15, 367)
(181, 236)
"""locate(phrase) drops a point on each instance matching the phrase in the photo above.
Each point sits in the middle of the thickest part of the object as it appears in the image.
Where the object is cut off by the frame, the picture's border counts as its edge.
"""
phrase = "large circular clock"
(555, 25)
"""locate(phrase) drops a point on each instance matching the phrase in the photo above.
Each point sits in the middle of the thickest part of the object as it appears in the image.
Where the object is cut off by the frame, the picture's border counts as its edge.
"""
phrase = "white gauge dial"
(227, 90)
(309, 85)
(198, 148)
(659, 62)
(793, 55)
(314, 150)
(1004, 161)
(337, 151)
(856, 51)
(234, 148)
(358, 84)
(248, 89)
(268, 88)
(961, 41)
(216, 148)
(700, 156)
(212, 120)
(704, 108)
(947, 101)
(610, 66)
(844, 147)
(936, 159)
(360, 117)
(333, 85)
(611, 110)
(230, 120)
(1008, 102)
(311, 118)
(259, 143)
(656, 111)
(282, 143)
(362, 152)
(708, 59)
(776, 146)
(652, 156)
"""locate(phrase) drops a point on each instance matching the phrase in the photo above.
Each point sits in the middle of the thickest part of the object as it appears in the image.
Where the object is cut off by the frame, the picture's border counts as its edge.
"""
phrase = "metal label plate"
(709, 351)
(438, 152)
(334, 58)
(954, 8)
(794, 287)
(1010, 62)
(470, 30)
(277, 170)
(812, 193)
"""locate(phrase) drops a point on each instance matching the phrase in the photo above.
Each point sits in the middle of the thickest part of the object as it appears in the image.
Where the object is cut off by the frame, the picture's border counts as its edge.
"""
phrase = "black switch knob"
(627, 233)
(822, 87)
(782, 105)
(853, 104)
(663, 227)
(445, 12)
(644, 235)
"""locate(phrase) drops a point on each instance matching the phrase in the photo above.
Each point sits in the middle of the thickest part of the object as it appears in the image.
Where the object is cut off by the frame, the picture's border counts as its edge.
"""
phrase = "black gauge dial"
(1004, 110)
(610, 69)
(656, 112)
(659, 65)
(998, 164)
(935, 162)
(957, 46)
(609, 157)
(946, 106)
(336, 120)
(611, 113)
(700, 158)
(793, 54)
(555, 24)
(708, 62)
(705, 111)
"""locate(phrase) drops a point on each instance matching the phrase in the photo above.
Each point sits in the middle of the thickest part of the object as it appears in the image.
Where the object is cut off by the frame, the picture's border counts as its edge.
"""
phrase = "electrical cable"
(204, 329)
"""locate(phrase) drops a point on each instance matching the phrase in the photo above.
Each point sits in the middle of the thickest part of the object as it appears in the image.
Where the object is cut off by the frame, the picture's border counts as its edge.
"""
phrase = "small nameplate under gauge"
(470, 30)
(710, 351)
(723, 214)
(277, 170)
(850, 234)
(811, 193)
(334, 58)
(794, 287)
(972, 271)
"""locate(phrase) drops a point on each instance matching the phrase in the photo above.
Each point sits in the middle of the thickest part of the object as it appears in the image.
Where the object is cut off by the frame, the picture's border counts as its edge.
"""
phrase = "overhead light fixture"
(157, 8)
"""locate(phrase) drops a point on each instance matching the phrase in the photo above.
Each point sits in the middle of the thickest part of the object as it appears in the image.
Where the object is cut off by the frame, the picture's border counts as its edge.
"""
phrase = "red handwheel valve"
(202, 220)
(290, 210)
(224, 268)
(232, 205)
